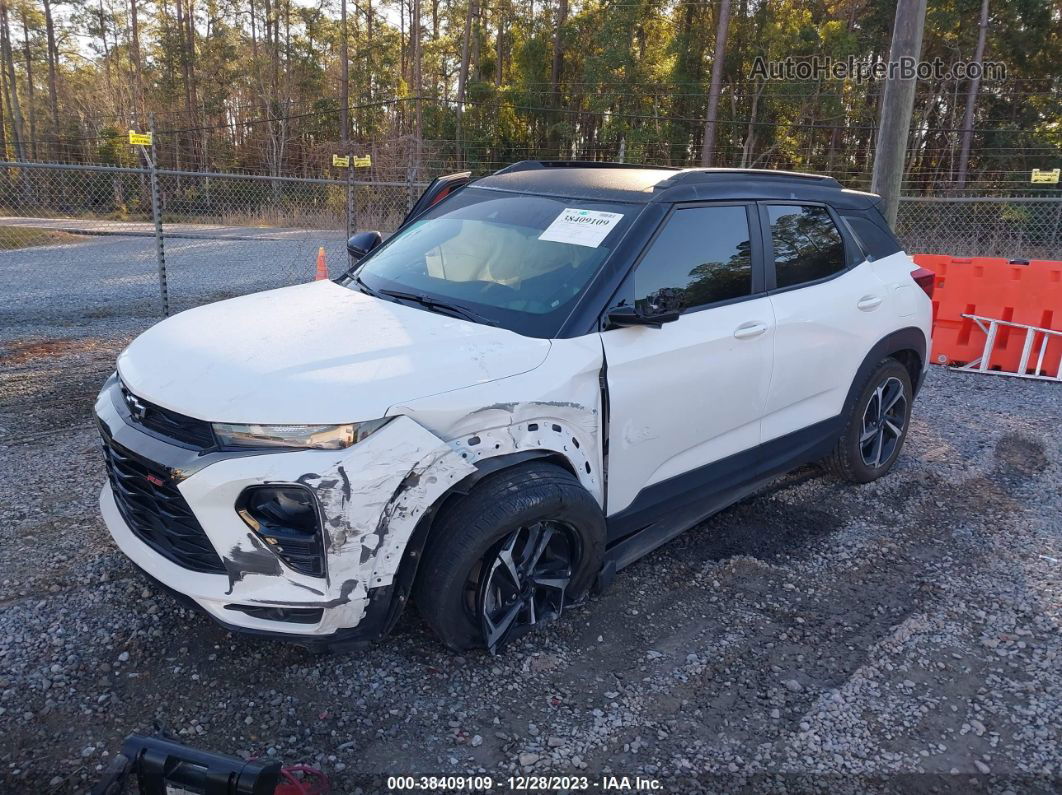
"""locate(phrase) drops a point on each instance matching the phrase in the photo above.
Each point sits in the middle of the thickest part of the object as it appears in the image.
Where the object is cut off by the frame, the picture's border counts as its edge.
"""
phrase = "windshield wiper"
(365, 288)
(442, 306)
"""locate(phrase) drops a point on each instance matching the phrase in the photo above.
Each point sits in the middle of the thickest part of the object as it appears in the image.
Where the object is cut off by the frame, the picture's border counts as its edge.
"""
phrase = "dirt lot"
(899, 636)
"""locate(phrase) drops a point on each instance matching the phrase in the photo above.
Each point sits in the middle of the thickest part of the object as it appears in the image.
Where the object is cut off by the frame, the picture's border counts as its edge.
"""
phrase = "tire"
(449, 591)
(856, 457)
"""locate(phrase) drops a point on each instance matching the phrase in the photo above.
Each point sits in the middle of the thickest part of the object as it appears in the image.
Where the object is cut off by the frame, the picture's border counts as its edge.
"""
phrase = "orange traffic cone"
(322, 269)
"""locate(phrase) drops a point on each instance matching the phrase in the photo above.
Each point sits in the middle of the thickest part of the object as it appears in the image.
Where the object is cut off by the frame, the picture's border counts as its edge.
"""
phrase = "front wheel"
(876, 426)
(510, 556)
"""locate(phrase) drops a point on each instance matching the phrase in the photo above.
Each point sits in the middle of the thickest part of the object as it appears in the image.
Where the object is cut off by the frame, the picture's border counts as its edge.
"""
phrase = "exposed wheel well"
(513, 498)
(488, 468)
(418, 542)
(912, 361)
(908, 346)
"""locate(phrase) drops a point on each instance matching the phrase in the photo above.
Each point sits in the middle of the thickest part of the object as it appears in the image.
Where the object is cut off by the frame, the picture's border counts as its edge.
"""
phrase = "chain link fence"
(94, 231)
(1014, 228)
(213, 236)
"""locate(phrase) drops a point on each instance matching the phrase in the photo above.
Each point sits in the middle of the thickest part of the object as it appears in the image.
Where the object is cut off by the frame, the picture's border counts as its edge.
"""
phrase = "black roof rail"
(534, 165)
(694, 175)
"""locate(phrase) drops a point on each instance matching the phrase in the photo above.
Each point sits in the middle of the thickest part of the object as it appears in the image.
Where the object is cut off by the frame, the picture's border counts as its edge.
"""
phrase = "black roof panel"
(617, 182)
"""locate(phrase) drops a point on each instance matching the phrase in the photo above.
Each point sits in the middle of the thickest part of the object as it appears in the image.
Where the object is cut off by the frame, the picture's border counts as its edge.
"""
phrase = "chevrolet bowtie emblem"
(136, 407)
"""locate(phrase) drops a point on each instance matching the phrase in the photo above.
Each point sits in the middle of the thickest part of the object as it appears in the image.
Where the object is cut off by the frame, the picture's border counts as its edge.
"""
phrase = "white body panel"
(824, 331)
(685, 395)
(909, 304)
(557, 407)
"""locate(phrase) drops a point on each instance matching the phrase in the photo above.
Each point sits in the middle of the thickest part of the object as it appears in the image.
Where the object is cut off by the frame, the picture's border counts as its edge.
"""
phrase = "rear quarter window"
(872, 235)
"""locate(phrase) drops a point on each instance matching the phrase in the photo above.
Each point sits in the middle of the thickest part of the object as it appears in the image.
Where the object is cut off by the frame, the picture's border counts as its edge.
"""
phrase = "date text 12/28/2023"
(483, 783)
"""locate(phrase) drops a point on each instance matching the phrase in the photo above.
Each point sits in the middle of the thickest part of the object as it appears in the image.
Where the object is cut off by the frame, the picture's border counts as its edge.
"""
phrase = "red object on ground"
(322, 269)
(1029, 293)
(303, 780)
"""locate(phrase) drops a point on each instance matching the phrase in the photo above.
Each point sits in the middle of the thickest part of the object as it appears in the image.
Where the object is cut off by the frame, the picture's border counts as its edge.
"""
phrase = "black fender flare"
(906, 339)
(392, 599)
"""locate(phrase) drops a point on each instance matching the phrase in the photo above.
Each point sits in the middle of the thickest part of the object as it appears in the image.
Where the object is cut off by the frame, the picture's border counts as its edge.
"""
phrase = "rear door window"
(806, 243)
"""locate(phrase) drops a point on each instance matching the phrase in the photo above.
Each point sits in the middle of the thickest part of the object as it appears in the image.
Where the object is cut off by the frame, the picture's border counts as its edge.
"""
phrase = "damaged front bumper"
(371, 498)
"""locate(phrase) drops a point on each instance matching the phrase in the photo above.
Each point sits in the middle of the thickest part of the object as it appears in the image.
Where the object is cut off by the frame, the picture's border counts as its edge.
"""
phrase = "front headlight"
(315, 437)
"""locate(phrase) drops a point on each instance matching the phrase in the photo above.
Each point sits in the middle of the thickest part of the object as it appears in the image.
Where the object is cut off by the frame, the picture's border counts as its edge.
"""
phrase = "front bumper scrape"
(372, 497)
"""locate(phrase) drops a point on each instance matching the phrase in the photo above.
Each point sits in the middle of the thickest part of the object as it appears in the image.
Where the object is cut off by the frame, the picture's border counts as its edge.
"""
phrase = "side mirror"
(362, 243)
(629, 316)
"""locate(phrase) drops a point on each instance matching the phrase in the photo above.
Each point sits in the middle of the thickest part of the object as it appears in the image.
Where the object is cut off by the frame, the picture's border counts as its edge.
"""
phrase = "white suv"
(542, 376)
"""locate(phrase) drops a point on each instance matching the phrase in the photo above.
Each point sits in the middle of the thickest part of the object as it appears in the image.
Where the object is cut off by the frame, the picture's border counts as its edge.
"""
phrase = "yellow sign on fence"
(341, 162)
(364, 161)
(1047, 177)
(139, 139)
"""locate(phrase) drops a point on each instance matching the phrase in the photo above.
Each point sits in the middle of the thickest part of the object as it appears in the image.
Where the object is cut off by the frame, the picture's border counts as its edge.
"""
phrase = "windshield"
(515, 260)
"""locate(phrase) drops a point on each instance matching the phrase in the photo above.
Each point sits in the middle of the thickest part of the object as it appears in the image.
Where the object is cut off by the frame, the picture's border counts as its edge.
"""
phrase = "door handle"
(869, 302)
(747, 331)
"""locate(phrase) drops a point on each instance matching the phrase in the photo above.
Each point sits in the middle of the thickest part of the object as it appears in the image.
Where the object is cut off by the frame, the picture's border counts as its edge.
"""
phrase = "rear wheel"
(876, 427)
(510, 556)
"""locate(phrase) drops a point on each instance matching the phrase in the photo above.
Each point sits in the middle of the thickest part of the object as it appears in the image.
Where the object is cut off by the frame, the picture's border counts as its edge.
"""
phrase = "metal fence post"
(1055, 229)
(352, 209)
(156, 214)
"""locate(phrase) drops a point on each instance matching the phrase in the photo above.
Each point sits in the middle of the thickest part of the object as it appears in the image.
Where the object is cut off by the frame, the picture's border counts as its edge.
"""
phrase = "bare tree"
(186, 78)
(750, 133)
(558, 51)
(53, 65)
(714, 88)
(254, 33)
(414, 35)
(134, 55)
(499, 43)
(30, 100)
(17, 129)
(462, 72)
(971, 99)
(3, 127)
(190, 57)
(477, 39)
(102, 16)
(415, 47)
(344, 79)
(370, 56)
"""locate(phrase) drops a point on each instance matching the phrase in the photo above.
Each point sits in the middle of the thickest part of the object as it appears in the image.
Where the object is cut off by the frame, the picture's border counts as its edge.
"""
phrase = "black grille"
(168, 423)
(156, 512)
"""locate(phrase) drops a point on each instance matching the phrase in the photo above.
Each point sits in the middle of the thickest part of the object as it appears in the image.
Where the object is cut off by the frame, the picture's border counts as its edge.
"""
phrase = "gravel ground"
(900, 636)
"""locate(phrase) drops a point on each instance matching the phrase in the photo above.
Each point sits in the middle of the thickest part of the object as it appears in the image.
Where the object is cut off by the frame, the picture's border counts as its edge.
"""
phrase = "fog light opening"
(288, 520)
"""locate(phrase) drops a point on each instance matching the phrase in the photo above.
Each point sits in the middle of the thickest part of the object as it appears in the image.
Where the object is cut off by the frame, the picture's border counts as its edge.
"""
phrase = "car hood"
(316, 353)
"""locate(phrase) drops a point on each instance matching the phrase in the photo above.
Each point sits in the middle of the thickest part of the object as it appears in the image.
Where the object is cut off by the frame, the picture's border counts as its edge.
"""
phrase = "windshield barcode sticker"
(580, 227)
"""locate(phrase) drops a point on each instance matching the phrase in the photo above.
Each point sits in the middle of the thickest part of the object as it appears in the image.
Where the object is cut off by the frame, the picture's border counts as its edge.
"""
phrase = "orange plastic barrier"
(996, 288)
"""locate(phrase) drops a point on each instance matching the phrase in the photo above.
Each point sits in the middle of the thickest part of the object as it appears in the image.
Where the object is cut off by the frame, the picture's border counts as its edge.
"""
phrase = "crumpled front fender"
(371, 496)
